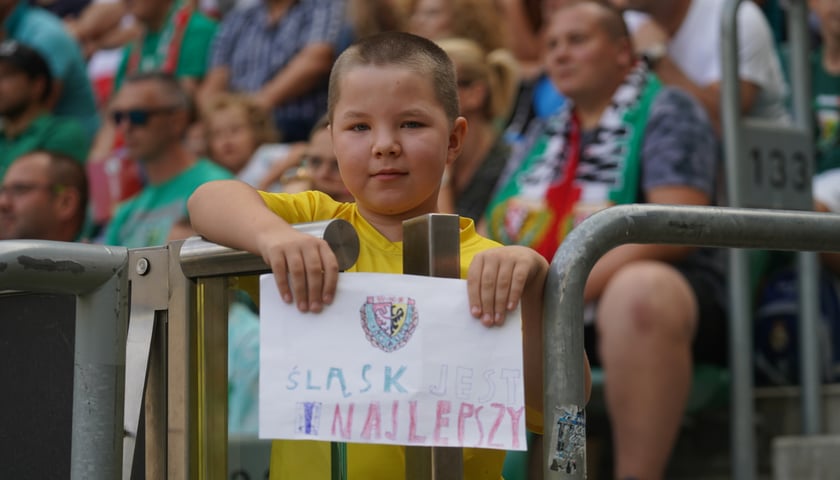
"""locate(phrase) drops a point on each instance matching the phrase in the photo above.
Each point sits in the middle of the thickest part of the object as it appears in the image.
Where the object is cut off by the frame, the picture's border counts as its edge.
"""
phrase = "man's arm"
(709, 96)
(216, 81)
(616, 258)
(310, 65)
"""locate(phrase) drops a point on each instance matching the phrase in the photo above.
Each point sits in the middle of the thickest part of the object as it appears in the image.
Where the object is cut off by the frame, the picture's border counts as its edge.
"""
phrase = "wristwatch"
(653, 54)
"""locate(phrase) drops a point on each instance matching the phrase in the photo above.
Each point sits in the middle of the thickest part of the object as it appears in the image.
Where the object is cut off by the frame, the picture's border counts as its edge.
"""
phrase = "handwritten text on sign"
(396, 359)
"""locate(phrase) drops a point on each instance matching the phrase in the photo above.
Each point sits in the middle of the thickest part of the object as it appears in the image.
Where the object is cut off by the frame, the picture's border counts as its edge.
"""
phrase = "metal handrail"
(200, 258)
(647, 224)
(97, 275)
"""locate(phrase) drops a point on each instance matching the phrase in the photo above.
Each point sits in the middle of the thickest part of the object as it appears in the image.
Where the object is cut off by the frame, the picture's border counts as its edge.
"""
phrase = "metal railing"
(649, 224)
(97, 276)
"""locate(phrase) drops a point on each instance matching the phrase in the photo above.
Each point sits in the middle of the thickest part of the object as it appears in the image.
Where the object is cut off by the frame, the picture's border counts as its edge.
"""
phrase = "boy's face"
(393, 140)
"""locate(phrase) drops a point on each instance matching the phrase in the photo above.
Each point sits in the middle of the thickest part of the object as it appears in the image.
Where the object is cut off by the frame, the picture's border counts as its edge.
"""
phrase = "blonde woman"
(487, 83)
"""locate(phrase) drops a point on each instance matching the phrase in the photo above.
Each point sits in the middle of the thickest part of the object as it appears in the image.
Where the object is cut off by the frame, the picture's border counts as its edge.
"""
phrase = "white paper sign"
(396, 359)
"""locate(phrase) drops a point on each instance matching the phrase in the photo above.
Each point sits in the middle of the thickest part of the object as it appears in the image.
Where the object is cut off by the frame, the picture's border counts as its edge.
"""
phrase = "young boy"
(393, 110)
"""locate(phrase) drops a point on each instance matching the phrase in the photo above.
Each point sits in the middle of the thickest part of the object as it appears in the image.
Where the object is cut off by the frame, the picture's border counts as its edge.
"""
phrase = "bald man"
(43, 196)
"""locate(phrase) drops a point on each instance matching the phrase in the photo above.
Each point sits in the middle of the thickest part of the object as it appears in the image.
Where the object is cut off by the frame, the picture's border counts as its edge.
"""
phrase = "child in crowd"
(318, 169)
(393, 111)
(235, 129)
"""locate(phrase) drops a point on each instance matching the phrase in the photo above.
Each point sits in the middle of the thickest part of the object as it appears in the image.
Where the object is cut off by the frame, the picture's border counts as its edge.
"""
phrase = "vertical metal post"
(181, 365)
(101, 317)
(807, 262)
(431, 246)
(740, 321)
(564, 423)
(211, 355)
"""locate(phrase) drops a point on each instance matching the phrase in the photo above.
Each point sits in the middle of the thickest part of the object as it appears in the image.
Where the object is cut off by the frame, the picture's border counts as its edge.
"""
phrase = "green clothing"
(193, 58)
(825, 91)
(146, 219)
(48, 132)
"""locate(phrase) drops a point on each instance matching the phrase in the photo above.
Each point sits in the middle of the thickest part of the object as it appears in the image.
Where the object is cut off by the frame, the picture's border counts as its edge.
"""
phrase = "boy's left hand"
(498, 277)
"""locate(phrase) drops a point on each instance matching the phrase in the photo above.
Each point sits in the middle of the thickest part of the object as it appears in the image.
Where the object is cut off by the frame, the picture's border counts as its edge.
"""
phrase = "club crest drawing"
(389, 322)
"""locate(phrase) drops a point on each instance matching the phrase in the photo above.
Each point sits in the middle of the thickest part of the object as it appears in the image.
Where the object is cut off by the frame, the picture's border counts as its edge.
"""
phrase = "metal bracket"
(149, 291)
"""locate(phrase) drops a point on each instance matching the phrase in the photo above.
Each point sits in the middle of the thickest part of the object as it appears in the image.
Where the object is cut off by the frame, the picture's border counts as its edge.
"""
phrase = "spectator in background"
(175, 39)
(368, 17)
(623, 138)
(280, 52)
(235, 130)
(318, 169)
(71, 93)
(478, 20)
(679, 39)
(825, 84)
(62, 8)
(43, 196)
(152, 111)
(537, 97)
(103, 29)
(486, 87)
(27, 125)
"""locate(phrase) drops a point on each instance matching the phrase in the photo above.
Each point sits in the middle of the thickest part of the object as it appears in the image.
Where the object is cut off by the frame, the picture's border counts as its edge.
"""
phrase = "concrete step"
(813, 457)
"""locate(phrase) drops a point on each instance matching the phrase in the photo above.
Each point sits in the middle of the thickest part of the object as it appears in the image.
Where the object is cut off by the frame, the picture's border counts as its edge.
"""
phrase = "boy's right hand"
(305, 268)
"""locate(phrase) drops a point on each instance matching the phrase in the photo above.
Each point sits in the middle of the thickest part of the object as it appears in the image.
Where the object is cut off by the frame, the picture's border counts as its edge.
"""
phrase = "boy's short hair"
(400, 49)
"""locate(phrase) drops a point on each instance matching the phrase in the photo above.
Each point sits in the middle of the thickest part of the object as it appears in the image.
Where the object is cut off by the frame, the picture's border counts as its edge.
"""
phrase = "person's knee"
(647, 298)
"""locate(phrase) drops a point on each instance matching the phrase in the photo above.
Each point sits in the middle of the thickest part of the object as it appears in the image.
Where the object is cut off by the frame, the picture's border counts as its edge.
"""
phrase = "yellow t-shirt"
(311, 459)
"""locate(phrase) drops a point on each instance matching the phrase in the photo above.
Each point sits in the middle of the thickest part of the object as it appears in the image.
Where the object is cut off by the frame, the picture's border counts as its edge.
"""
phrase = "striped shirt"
(254, 50)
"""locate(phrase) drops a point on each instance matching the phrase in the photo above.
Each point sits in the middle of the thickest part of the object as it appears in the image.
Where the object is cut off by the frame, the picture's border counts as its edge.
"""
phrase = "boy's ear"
(456, 139)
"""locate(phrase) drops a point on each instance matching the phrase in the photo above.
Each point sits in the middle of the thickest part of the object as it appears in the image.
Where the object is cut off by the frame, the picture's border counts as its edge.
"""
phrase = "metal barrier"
(97, 275)
(768, 166)
(648, 224)
(178, 374)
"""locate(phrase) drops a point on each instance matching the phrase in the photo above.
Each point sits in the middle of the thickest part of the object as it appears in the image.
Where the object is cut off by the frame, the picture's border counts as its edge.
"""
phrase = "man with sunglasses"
(25, 121)
(43, 197)
(153, 112)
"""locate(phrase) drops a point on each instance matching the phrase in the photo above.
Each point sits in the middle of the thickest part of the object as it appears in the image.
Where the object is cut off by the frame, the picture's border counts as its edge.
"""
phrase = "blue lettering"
(293, 384)
(309, 385)
(393, 380)
(337, 373)
(365, 369)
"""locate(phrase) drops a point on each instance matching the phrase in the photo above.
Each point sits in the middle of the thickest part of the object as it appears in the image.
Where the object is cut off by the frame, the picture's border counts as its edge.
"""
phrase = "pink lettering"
(515, 417)
(395, 408)
(496, 425)
(442, 420)
(413, 437)
(345, 428)
(466, 411)
(372, 423)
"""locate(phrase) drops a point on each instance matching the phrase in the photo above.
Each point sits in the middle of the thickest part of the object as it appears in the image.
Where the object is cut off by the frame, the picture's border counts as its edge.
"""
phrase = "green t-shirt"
(825, 89)
(194, 55)
(48, 132)
(146, 219)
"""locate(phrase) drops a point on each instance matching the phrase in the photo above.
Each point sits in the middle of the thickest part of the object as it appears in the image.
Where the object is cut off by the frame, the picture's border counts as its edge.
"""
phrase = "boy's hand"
(498, 277)
(304, 267)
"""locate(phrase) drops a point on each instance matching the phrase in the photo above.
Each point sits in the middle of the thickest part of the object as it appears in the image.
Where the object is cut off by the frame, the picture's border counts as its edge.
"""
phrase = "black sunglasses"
(138, 117)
